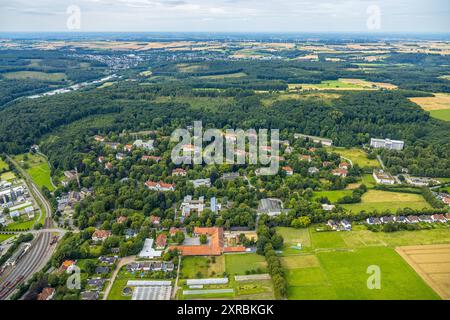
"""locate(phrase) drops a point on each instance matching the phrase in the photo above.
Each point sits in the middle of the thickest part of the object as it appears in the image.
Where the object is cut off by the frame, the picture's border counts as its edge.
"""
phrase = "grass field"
(241, 262)
(7, 176)
(357, 156)
(38, 169)
(441, 114)
(36, 75)
(385, 200)
(224, 76)
(195, 267)
(3, 165)
(4, 237)
(343, 275)
(333, 195)
(336, 267)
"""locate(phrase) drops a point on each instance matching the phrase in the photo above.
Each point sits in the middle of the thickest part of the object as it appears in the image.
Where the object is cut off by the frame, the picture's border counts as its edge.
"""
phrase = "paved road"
(120, 264)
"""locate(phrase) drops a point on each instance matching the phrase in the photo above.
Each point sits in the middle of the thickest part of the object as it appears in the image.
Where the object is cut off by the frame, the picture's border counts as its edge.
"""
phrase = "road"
(120, 264)
(41, 249)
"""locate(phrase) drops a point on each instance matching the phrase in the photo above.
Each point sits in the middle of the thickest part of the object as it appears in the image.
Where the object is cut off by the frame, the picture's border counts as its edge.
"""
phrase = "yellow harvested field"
(432, 263)
(440, 101)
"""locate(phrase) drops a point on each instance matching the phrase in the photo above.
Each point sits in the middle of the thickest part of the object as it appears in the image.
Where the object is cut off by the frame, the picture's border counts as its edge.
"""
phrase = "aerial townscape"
(93, 205)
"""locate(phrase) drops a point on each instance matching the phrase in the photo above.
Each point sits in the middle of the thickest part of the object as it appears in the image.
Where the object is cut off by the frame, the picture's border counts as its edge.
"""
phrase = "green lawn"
(333, 195)
(358, 156)
(294, 236)
(441, 114)
(343, 275)
(38, 169)
(195, 267)
(239, 263)
(21, 224)
(116, 289)
(4, 237)
(3, 165)
(385, 200)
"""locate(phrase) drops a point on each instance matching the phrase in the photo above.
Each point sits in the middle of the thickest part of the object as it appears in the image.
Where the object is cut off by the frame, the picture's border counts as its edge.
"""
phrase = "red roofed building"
(101, 235)
(161, 241)
(122, 219)
(128, 147)
(46, 294)
(344, 165)
(155, 219)
(289, 171)
(174, 230)
(67, 265)
(108, 166)
(160, 186)
(340, 172)
(305, 157)
(214, 247)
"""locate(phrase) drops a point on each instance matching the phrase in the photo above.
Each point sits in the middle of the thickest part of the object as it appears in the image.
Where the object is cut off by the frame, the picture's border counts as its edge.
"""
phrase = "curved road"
(39, 252)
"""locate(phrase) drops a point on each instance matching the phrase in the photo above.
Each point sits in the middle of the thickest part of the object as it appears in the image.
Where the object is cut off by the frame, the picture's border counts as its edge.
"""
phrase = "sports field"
(334, 264)
(385, 200)
(432, 263)
(344, 275)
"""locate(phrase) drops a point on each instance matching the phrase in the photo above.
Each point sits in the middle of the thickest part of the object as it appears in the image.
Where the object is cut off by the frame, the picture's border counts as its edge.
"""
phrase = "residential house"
(108, 166)
(155, 220)
(270, 206)
(412, 219)
(89, 295)
(120, 156)
(153, 158)
(102, 270)
(180, 172)
(147, 145)
(99, 138)
(100, 235)
(289, 171)
(425, 218)
(46, 294)
(122, 219)
(344, 165)
(201, 182)
(160, 186)
(128, 147)
(107, 259)
(305, 157)
(339, 172)
(328, 207)
(313, 170)
(161, 241)
(438, 218)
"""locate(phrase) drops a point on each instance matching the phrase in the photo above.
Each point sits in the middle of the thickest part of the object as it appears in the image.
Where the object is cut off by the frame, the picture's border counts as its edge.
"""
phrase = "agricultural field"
(432, 263)
(37, 167)
(202, 267)
(333, 265)
(241, 263)
(224, 76)
(344, 84)
(343, 275)
(35, 75)
(438, 105)
(385, 200)
(357, 156)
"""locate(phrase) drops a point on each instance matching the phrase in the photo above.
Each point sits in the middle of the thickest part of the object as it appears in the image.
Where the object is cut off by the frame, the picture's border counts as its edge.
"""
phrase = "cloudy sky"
(226, 15)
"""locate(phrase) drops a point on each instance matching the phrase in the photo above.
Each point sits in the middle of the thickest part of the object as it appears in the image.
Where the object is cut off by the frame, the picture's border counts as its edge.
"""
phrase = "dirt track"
(432, 263)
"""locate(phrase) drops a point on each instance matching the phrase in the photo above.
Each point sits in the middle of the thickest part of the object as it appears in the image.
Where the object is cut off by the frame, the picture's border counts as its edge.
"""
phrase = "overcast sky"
(227, 15)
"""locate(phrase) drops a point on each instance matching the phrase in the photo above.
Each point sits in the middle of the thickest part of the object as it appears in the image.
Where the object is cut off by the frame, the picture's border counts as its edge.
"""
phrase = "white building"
(147, 145)
(387, 144)
(382, 177)
(189, 205)
(148, 252)
(201, 182)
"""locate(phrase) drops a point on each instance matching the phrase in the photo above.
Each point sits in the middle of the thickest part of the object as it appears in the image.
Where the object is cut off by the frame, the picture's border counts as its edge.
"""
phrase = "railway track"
(26, 266)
